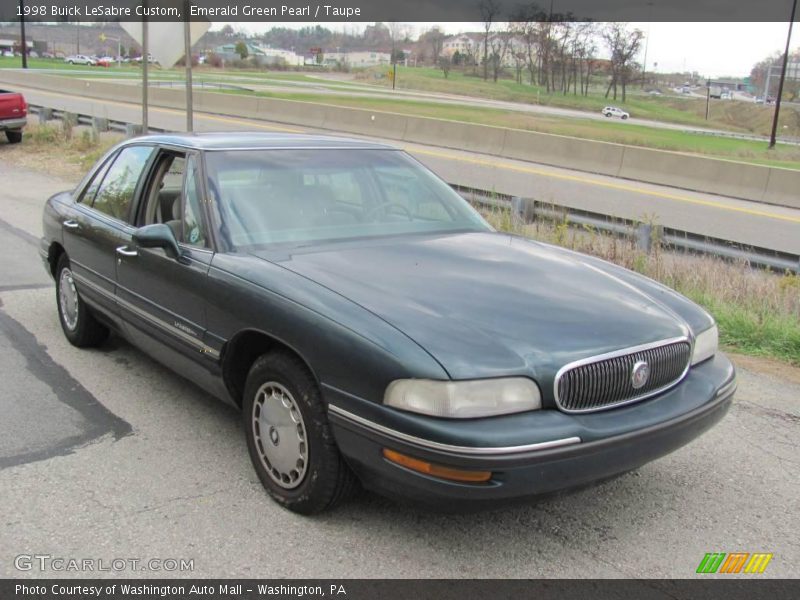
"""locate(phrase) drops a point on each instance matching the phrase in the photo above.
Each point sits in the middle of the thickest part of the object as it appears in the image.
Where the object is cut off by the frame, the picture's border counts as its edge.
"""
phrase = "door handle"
(125, 251)
(70, 224)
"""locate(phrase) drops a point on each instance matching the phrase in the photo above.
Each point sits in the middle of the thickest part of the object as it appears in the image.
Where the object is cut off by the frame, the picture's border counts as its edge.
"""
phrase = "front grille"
(605, 381)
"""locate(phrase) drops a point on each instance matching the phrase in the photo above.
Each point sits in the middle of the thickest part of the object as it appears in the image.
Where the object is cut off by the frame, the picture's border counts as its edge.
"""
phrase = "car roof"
(260, 141)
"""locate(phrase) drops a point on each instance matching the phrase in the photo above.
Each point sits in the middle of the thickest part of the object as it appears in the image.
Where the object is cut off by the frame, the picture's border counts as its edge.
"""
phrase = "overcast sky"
(712, 49)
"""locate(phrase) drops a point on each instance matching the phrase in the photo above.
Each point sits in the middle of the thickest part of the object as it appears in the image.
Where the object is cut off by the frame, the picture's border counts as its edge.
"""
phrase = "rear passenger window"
(115, 193)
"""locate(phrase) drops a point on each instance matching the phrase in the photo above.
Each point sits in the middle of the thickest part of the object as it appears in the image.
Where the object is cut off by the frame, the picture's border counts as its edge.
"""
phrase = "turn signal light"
(427, 468)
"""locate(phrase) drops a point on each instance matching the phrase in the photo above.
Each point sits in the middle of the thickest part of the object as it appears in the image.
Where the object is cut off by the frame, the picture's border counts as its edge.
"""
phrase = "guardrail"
(529, 209)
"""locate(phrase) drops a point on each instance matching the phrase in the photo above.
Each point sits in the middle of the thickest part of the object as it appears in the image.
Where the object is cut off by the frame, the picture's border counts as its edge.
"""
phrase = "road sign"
(162, 38)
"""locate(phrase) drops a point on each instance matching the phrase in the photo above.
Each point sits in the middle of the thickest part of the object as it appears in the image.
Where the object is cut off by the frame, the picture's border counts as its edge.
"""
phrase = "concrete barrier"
(454, 134)
(365, 122)
(305, 114)
(561, 151)
(713, 176)
(722, 177)
(783, 188)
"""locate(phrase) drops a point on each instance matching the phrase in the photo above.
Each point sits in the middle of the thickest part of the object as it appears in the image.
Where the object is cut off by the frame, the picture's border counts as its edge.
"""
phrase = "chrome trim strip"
(615, 354)
(494, 451)
(191, 340)
(94, 287)
(728, 388)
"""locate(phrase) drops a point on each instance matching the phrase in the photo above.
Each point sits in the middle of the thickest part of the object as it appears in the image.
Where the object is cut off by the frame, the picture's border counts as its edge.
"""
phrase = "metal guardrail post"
(45, 114)
(644, 237)
(99, 124)
(133, 129)
(523, 209)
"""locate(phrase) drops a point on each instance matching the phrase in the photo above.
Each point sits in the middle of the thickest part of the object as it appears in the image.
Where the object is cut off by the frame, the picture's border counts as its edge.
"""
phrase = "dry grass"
(758, 312)
(60, 148)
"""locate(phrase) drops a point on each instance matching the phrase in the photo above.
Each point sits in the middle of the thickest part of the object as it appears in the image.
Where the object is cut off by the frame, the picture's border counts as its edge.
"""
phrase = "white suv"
(613, 111)
(80, 59)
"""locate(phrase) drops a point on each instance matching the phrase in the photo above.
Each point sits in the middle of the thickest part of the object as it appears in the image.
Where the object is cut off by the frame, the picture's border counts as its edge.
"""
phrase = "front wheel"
(607, 115)
(624, 117)
(289, 438)
(79, 325)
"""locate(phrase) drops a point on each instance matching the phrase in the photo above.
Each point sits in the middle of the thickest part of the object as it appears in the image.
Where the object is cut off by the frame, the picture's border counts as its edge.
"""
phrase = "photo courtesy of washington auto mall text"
(415, 299)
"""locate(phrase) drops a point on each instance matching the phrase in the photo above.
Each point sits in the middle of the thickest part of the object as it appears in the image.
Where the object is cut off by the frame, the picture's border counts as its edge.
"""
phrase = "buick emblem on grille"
(639, 374)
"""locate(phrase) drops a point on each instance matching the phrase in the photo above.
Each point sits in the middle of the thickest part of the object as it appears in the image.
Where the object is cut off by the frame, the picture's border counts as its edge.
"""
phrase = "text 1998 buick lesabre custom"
(372, 326)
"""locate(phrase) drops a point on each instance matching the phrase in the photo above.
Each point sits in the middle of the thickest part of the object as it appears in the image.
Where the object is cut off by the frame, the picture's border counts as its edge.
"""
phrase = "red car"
(13, 115)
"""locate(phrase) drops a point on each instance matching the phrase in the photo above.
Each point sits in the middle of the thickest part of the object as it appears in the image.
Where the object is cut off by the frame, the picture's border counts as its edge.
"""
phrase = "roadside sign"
(161, 37)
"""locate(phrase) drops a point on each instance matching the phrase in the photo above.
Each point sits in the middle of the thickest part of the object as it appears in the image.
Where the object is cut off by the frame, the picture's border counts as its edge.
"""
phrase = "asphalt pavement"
(107, 455)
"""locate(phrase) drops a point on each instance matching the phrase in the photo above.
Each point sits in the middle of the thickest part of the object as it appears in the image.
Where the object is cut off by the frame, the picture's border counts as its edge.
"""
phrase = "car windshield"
(302, 197)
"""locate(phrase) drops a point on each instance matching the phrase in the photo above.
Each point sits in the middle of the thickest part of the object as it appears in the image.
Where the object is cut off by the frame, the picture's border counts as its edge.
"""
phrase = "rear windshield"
(306, 196)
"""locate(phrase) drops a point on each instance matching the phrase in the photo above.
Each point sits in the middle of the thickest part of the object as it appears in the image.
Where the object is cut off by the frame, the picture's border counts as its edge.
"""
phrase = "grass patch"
(60, 148)
(758, 312)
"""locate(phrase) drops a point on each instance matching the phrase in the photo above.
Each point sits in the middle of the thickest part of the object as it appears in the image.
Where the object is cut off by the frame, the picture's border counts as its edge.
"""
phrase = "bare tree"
(490, 10)
(397, 34)
(434, 39)
(444, 64)
(623, 44)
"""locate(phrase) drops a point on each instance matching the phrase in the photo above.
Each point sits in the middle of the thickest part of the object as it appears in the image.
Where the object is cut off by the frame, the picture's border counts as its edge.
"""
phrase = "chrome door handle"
(125, 251)
(70, 224)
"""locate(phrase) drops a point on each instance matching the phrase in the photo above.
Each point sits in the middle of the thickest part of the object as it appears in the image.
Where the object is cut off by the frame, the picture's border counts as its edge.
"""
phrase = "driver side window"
(174, 199)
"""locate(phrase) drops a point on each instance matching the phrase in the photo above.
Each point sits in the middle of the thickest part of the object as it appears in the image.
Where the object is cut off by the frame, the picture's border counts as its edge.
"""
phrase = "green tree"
(241, 49)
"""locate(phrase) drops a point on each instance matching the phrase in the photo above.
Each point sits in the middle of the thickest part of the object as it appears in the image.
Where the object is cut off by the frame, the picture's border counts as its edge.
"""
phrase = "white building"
(364, 58)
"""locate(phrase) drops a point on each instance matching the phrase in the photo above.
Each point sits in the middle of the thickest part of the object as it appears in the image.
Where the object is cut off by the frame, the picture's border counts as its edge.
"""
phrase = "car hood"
(489, 304)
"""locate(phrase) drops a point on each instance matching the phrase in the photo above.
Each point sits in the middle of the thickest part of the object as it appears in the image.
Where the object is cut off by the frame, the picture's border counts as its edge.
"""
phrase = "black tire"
(87, 331)
(607, 115)
(14, 137)
(624, 117)
(327, 479)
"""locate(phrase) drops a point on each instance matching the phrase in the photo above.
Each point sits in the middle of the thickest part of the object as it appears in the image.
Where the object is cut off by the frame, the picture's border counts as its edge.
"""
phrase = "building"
(260, 55)
(356, 59)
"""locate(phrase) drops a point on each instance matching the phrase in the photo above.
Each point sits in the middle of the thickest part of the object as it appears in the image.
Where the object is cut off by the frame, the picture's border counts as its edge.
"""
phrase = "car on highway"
(13, 115)
(372, 326)
(613, 111)
(80, 59)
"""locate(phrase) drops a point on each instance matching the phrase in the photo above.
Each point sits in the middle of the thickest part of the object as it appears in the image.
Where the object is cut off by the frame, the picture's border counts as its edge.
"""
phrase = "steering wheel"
(371, 212)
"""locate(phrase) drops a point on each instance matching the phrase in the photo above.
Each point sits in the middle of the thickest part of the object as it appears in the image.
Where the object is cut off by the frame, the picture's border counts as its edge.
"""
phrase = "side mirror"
(158, 235)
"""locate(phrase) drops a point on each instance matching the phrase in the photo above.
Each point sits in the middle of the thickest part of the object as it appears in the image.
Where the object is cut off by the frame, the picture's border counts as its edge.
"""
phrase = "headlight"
(464, 399)
(705, 345)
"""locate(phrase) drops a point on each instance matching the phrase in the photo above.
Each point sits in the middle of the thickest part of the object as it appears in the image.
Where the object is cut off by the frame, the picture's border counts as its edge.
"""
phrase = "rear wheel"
(14, 137)
(289, 438)
(79, 325)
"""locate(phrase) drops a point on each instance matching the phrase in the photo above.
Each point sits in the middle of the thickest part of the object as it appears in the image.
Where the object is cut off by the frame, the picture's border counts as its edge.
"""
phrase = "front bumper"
(13, 124)
(533, 453)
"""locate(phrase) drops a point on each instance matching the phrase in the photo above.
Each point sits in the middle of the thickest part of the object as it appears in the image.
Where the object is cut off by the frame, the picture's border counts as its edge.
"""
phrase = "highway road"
(750, 223)
(337, 86)
(104, 454)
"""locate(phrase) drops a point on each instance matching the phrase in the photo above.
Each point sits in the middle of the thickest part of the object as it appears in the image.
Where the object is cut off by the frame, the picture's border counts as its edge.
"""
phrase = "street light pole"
(774, 133)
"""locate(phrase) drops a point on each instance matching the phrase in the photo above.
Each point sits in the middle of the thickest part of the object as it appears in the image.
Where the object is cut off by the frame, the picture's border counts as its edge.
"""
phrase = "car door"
(161, 299)
(99, 222)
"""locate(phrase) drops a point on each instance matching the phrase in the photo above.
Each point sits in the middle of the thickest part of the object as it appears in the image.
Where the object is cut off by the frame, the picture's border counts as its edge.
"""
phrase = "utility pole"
(187, 59)
(145, 66)
(22, 34)
(774, 133)
(708, 96)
